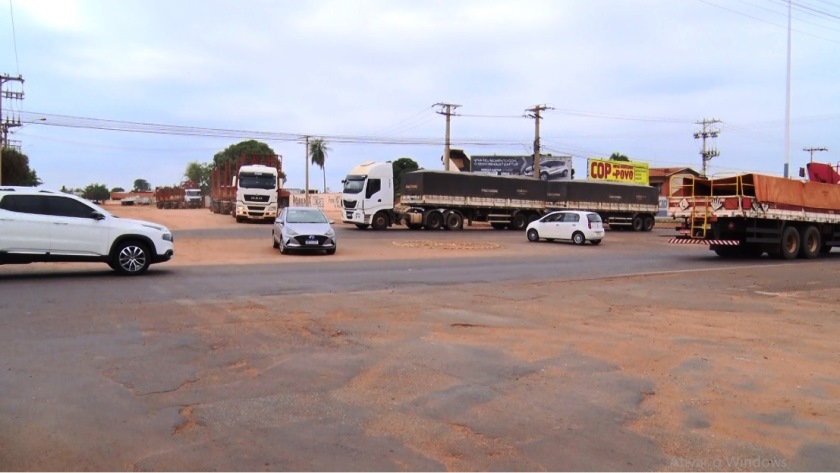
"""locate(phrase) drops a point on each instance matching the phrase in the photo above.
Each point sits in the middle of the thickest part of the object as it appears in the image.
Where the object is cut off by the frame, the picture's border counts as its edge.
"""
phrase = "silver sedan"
(304, 229)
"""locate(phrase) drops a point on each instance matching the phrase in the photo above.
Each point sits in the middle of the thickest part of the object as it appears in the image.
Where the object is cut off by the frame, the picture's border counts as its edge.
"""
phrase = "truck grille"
(256, 198)
(349, 204)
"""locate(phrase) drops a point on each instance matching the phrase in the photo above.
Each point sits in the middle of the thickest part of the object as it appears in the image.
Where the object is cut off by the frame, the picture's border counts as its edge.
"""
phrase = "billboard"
(552, 168)
(618, 171)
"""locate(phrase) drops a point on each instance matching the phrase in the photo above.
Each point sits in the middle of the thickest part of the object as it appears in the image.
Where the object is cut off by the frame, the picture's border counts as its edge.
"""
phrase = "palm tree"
(318, 152)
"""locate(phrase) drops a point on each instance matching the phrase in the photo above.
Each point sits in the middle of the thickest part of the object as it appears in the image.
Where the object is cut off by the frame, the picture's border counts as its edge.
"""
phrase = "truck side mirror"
(801, 172)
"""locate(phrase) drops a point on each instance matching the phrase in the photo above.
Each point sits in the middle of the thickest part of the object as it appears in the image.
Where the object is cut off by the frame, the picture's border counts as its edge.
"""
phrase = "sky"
(116, 91)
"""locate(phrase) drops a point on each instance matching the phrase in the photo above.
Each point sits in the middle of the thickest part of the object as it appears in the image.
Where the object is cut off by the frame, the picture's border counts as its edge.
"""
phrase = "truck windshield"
(257, 181)
(354, 184)
(194, 192)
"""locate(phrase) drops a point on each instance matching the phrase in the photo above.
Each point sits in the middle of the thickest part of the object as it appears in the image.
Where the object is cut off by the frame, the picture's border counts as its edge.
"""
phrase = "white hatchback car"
(41, 225)
(572, 225)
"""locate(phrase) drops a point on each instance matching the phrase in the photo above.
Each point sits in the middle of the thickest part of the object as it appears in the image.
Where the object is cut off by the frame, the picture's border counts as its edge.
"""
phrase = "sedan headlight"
(290, 232)
(330, 233)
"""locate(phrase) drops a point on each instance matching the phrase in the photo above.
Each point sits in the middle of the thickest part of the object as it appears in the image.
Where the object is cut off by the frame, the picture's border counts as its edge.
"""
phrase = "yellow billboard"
(618, 171)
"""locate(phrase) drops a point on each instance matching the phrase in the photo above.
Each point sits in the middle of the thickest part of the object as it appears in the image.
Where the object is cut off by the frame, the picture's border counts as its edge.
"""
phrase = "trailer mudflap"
(686, 240)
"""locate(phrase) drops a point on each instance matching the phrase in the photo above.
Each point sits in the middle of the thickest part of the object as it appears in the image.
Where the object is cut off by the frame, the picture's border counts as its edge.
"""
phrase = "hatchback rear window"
(593, 218)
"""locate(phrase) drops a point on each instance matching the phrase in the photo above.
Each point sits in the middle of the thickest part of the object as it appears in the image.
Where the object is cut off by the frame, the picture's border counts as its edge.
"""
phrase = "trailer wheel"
(434, 221)
(380, 221)
(519, 221)
(789, 246)
(454, 221)
(578, 238)
(638, 223)
(811, 243)
(649, 222)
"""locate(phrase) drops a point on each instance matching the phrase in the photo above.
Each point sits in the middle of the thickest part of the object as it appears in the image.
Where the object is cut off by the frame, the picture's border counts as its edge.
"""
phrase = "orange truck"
(747, 215)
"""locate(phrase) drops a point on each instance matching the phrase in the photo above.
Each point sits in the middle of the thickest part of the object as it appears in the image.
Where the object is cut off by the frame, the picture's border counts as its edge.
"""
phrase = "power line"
(14, 36)
(766, 21)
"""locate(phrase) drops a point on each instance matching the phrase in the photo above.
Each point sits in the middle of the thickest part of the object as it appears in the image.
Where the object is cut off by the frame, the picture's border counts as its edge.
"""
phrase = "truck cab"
(256, 193)
(368, 196)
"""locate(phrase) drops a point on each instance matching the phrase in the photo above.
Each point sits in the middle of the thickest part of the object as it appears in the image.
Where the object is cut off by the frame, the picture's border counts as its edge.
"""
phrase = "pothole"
(447, 245)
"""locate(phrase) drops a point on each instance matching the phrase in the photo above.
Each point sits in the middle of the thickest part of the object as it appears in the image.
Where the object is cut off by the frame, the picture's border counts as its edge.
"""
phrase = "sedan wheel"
(533, 235)
(274, 241)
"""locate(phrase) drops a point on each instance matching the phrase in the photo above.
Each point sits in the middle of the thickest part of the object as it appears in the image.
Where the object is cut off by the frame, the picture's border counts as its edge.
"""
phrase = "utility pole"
(11, 121)
(306, 196)
(447, 110)
(535, 114)
(708, 152)
(811, 150)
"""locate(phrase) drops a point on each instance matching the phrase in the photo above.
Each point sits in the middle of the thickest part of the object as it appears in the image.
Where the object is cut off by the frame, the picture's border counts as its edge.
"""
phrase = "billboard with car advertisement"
(552, 168)
(618, 171)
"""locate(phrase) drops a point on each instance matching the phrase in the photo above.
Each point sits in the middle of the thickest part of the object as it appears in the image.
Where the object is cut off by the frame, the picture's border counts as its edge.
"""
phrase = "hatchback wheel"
(533, 235)
(578, 238)
(131, 258)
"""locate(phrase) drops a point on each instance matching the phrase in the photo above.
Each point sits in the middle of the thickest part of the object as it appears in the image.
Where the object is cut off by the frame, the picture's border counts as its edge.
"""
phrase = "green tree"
(141, 185)
(16, 170)
(115, 189)
(318, 151)
(618, 157)
(97, 192)
(232, 152)
(200, 174)
(402, 166)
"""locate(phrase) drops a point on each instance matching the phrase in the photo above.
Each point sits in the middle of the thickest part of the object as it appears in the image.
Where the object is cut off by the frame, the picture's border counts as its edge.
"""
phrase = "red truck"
(187, 195)
(747, 215)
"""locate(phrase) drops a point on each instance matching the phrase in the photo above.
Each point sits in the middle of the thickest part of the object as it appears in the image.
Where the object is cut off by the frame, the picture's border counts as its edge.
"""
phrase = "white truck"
(257, 188)
(442, 199)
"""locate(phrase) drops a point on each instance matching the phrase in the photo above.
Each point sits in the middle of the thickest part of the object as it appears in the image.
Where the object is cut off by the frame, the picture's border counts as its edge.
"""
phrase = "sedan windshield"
(305, 216)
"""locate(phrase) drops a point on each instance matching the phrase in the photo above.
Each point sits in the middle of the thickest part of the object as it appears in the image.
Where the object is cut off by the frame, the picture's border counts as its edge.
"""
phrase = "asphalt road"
(464, 363)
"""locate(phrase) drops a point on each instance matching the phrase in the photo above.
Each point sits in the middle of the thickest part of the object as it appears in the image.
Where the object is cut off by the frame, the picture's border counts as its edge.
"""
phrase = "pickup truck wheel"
(811, 243)
(380, 221)
(131, 258)
(790, 243)
(638, 223)
(533, 235)
(578, 238)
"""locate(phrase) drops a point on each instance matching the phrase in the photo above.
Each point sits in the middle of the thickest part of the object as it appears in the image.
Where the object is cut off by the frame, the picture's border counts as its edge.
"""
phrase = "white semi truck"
(256, 192)
(441, 199)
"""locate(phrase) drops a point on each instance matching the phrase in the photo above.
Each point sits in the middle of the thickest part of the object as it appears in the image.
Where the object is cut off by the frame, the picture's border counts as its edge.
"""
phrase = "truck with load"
(440, 199)
(747, 215)
(187, 195)
(247, 188)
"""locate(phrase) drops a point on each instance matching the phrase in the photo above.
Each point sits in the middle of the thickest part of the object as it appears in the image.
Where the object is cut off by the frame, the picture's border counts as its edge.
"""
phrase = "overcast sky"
(628, 76)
